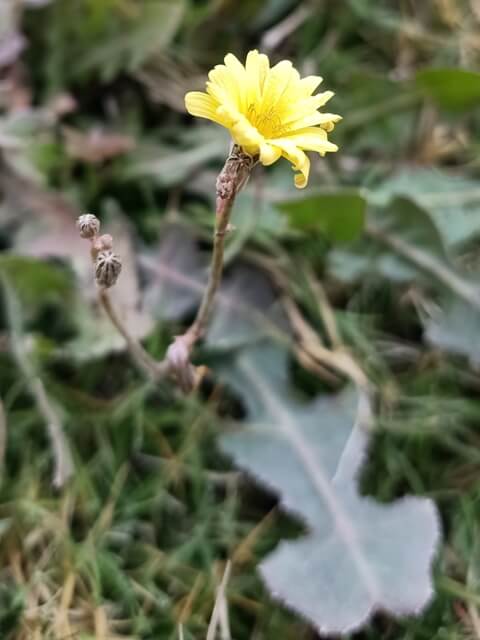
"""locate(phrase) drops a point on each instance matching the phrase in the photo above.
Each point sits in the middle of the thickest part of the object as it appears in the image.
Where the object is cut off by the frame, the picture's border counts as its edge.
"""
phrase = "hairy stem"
(230, 181)
(216, 269)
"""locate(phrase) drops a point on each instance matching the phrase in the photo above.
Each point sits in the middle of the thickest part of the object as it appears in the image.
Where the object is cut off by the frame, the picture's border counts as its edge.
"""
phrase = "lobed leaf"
(358, 556)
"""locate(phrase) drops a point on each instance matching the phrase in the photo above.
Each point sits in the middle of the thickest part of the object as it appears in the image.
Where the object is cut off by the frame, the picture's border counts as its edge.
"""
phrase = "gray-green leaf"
(359, 556)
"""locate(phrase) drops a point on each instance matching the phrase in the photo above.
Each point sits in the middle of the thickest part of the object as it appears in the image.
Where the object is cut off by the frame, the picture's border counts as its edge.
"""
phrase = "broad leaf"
(148, 32)
(337, 214)
(246, 310)
(401, 219)
(454, 89)
(167, 164)
(359, 556)
(453, 202)
(454, 326)
(175, 274)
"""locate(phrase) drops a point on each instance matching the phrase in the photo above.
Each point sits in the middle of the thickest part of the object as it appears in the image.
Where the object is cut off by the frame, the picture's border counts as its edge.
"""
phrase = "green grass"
(136, 544)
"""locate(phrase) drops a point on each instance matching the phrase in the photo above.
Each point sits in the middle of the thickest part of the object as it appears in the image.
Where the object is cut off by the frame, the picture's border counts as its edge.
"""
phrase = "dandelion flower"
(270, 111)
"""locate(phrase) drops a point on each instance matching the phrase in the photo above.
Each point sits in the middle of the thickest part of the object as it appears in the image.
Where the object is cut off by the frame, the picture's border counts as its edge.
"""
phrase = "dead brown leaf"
(96, 145)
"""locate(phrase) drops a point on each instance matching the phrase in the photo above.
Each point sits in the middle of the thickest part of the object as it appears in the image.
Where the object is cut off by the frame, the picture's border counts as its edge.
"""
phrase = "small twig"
(310, 346)
(272, 38)
(219, 600)
(324, 307)
(64, 467)
(107, 266)
(339, 360)
(153, 369)
(224, 620)
(428, 263)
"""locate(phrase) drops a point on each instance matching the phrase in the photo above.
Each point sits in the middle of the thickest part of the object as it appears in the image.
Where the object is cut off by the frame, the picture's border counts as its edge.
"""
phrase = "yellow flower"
(270, 112)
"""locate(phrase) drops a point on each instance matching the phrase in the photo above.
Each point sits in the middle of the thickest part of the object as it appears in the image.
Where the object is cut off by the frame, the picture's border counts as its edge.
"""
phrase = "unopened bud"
(107, 268)
(88, 225)
(101, 243)
(178, 358)
(105, 242)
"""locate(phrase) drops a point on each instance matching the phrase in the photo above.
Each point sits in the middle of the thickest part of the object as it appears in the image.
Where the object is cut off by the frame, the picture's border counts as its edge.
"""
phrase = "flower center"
(268, 123)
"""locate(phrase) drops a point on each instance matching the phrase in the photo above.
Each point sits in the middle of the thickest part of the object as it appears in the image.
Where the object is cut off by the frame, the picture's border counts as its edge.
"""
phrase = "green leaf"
(452, 201)
(37, 282)
(150, 32)
(338, 214)
(246, 310)
(356, 558)
(175, 274)
(401, 219)
(169, 165)
(454, 327)
(453, 89)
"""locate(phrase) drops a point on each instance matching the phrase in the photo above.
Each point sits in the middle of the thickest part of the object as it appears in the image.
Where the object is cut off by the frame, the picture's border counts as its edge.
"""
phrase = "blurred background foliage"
(386, 238)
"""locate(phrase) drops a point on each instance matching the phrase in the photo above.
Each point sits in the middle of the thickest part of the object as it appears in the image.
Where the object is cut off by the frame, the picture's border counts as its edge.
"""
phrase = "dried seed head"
(88, 225)
(107, 268)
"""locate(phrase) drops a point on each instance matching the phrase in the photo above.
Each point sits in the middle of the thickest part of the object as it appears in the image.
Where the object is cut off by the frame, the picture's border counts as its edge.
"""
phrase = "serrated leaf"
(337, 214)
(356, 558)
(454, 89)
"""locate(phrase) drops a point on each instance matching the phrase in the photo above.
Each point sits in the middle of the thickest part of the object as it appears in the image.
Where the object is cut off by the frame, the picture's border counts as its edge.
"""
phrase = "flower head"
(270, 111)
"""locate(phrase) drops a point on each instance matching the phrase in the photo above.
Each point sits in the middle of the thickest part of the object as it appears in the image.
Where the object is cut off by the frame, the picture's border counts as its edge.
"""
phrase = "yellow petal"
(305, 107)
(224, 87)
(238, 73)
(297, 157)
(310, 139)
(269, 153)
(309, 84)
(325, 120)
(301, 179)
(247, 136)
(202, 105)
(256, 68)
(276, 82)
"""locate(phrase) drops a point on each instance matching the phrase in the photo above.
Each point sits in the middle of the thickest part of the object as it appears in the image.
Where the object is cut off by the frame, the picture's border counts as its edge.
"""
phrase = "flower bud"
(105, 242)
(88, 225)
(107, 268)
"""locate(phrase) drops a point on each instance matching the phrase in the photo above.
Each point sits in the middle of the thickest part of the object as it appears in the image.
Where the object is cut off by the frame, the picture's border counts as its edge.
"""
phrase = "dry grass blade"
(64, 467)
(219, 617)
(428, 263)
